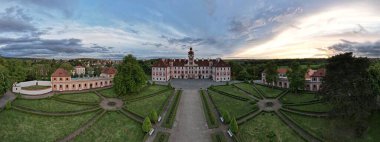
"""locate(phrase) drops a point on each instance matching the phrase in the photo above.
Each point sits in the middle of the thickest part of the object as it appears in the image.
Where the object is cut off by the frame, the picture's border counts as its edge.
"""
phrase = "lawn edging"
(170, 116)
(210, 117)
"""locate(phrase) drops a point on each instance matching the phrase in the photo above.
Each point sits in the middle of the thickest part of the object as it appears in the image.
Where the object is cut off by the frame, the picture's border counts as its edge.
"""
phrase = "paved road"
(8, 96)
(190, 124)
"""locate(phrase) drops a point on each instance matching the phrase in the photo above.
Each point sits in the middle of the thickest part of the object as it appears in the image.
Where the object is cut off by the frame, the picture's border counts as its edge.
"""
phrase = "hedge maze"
(81, 116)
(271, 112)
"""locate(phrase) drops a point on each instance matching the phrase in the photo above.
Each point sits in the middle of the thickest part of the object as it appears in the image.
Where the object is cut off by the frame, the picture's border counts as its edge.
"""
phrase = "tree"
(296, 77)
(153, 116)
(271, 73)
(226, 116)
(68, 67)
(234, 126)
(347, 85)
(374, 72)
(8, 105)
(130, 77)
(4, 80)
(243, 75)
(147, 125)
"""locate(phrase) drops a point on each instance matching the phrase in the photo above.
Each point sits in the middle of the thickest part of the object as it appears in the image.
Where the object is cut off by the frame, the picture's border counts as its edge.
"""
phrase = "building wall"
(71, 85)
(80, 71)
(191, 72)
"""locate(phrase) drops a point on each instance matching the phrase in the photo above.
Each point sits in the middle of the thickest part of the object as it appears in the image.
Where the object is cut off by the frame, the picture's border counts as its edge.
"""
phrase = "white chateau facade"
(215, 69)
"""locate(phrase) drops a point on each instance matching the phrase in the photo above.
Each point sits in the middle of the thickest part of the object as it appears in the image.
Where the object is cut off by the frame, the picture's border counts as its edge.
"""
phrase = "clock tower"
(191, 56)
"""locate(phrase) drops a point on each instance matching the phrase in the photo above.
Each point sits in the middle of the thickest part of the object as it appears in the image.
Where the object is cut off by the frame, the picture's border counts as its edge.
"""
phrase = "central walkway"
(190, 125)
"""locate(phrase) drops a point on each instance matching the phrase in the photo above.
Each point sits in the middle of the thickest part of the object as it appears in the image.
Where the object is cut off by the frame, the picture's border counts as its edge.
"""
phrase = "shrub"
(169, 85)
(148, 83)
(8, 105)
(227, 83)
(154, 83)
(226, 116)
(234, 126)
(147, 125)
(153, 116)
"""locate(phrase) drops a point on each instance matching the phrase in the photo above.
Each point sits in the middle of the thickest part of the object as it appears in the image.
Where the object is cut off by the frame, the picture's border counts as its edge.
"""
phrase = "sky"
(231, 29)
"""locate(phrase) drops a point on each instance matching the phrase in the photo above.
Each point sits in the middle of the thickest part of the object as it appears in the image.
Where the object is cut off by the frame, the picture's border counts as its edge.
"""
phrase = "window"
(55, 86)
(60, 86)
(79, 85)
(60, 79)
(54, 79)
(67, 86)
(67, 79)
(73, 86)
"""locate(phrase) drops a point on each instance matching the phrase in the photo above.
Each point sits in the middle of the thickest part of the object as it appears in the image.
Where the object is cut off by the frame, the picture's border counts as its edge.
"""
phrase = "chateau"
(313, 79)
(215, 69)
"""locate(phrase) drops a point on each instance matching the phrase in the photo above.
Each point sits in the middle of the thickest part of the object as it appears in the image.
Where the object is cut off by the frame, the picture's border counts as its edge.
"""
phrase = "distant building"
(62, 81)
(79, 70)
(313, 79)
(215, 69)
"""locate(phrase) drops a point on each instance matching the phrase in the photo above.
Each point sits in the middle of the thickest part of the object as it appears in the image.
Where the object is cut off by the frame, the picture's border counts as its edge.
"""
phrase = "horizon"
(239, 30)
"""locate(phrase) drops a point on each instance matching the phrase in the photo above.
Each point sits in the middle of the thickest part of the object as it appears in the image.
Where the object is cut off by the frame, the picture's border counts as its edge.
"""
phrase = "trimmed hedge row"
(248, 113)
(85, 126)
(303, 103)
(211, 121)
(247, 91)
(218, 137)
(73, 102)
(242, 122)
(170, 116)
(63, 113)
(132, 115)
(302, 129)
(229, 95)
(166, 102)
(148, 96)
(283, 93)
(213, 102)
(308, 113)
(162, 137)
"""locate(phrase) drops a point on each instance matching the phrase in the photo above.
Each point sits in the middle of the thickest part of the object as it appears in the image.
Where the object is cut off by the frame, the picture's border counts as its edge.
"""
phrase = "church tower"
(191, 56)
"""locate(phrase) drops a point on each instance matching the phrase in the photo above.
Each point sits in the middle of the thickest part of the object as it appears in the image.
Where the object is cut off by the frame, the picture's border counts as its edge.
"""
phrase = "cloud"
(30, 47)
(63, 6)
(14, 19)
(368, 49)
(189, 41)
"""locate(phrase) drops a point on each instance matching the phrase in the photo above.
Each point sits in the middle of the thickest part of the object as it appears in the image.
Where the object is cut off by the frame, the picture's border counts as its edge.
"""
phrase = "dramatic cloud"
(25, 47)
(14, 19)
(368, 49)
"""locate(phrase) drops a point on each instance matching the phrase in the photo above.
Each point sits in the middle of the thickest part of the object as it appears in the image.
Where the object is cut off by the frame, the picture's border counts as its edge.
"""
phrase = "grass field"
(235, 107)
(82, 97)
(35, 87)
(267, 127)
(249, 88)
(298, 98)
(109, 93)
(269, 92)
(20, 127)
(319, 107)
(113, 127)
(145, 106)
(49, 105)
(231, 90)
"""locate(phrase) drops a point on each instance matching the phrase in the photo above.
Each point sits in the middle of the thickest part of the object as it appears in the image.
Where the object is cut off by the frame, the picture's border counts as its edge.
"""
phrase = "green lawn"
(298, 98)
(266, 127)
(113, 127)
(49, 105)
(82, 97)
(16, 126)
(319, 127)
(35, 87)
(269, 92)
(145, 106)
(231, 90)
(109, 93)
(319, 107)
(373, 134)
(235, 107)
(249, 88)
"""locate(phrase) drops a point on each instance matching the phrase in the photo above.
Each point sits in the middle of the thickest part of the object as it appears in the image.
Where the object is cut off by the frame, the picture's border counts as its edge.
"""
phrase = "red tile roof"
(319, 73)
(282, 70)
(79, 66)
(161, 63)
(60, 72)
(220, 63)
(183, 62)
(109, 70)
(309, 72)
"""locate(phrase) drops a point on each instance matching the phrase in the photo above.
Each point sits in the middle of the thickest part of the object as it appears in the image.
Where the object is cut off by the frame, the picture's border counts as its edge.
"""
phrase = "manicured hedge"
(170, 115)
(210, 117)
(218, 137)
(148, 96)
(135, 116)
(62, 113)
(73, 102)
(228, 94)
(162, 137)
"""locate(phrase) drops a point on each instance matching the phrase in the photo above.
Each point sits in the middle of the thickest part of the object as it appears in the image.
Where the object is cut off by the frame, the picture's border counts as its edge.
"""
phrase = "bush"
(154, 83)
(226, 116)
(169, 85)
(153, 116)
(147, 125)
(227, 83)
(234, 126)
(148, 83)
(8, 105)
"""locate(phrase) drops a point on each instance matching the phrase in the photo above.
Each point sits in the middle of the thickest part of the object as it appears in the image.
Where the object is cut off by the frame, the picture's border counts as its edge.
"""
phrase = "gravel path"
(190, 124)
(8, 96)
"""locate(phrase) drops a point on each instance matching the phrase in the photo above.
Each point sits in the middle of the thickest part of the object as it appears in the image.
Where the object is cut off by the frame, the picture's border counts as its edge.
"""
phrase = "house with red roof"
(191, 68)
(313, 79)
(61, 80)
